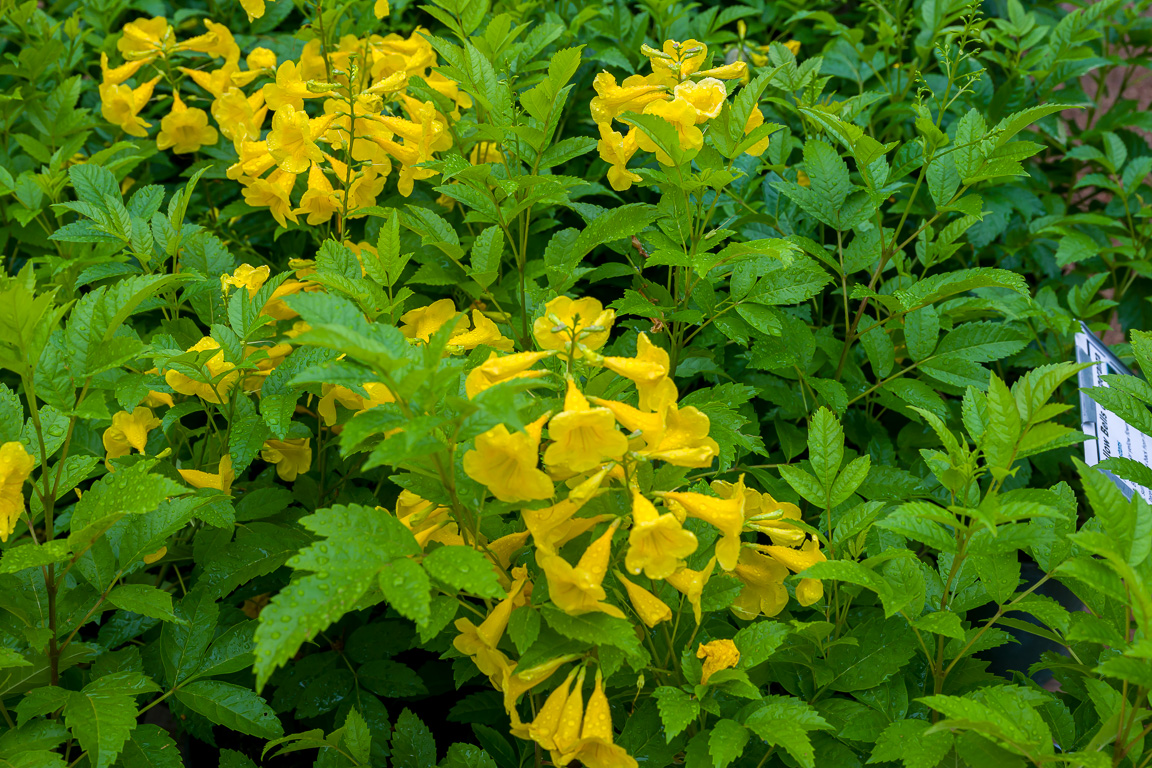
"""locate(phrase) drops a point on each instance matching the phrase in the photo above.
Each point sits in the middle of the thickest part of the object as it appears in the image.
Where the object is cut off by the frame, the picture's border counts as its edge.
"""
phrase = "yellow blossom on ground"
(651, 609)
(583, 436)
(657, 544)
(578, 589)
(15, 467)
(128, 431)
(506, 462)
(565, 319)
(185, 129)
(717, 655)
(291, 457)
(221, 480)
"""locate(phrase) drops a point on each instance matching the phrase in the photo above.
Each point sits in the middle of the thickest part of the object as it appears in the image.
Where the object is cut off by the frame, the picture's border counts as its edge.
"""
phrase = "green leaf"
(909, 742)
(102, 717)
(487, 250)
(412, 743)
(408, 589)
(943, 623)
(24, 556)
(758, 641)
(883, 648)
(784, 721)
(233, 706)
(464, 568)
(726, 742)
(941, 286)
(150, 747)
(595, 628)
(144, 600)
(677, 710)
(524, 627)
(825, 446)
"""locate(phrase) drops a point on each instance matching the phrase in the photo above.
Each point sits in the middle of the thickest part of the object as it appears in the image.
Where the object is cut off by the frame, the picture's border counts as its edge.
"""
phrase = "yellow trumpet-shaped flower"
(676, 61)
(254, 8)
(480, 642)
(272, 193)
(553, 727)
(676, 435)
(583, 437)
(755, 120)
(809, 591)
(717, 655)
(484, 333)
(292, 140)
(691, 584)
(554, 526)
(577, 589)
(506, 462)
(706, 97)
(121, 105)
(497, 369)
(378, 394)
(651, 609)
(568, 322)
(595, 747)
(117, 75)
(128, 431)
(146, 39)
(763, 589)
(682, 117)
(726, 515)
(246, 276)
(797, 560)
(15, 467)
(515, 682)
(764, 514)
(657, 544)
(427, 521)
(616, 149)
(421, 323)
(221, 375)
(648, 371)
(220, 481)
(318, 202)
(217, 42)
(185, 129)
(291, 457)
(632, 95)
(737, 70)
(290, 88)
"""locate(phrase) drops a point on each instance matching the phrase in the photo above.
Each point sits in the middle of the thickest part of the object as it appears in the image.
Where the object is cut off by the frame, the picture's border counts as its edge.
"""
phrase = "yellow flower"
(717, 655)
(480, 642)
(648, 371)
(676, 435)
(793, 46)
(726, 515)
(515, 682)
(421, 323)
(128, 431)
(632, 95)
(217, 82)
(691, 584)
(682, 117)
(616, 149)
(557, 724)
(764, 514)
(146, 39)
(737, 70)
(595, 748)
(217, 42)
(577, 589)
(121, 105)
(485, 332)
(260, 59)
(378, 394)
(254, 8)
(185, 129)
(427, 521)
(706, 97)
(795, 560)
(763, 589)
(246, 276)
(156, 399)
(239, 116)
(291, 457)
(554, 526)
(117, 75)
(657, 544)
(289, 89)
(651, 609)
(291, 141)
(497, 369)
(252, 162)
(802, 179)
(506, 462)
(809, 591)
(221, 374)
(676, 61)
(272, 193)
(221, 481)
(755, 120)
(380, 9)
(319, 202)
(566, 321)
(583, 436)
(15, 467)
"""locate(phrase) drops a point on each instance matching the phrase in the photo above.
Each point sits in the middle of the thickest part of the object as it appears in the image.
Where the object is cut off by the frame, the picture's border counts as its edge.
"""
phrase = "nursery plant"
(487, 384)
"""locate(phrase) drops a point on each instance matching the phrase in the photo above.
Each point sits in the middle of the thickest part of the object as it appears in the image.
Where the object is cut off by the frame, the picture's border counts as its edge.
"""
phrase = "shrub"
(634, 384)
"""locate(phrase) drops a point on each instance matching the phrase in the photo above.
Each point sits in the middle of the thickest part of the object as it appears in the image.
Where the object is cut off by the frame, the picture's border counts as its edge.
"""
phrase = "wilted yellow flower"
(128, 431)
(616, 149)
(717, 655)
(632, 95)
(726, 515)
(706, 97)
(291, 457)
(657, 544)
(506, 462)
(651, 609)
(583, 436)
(222, 375)
(583, 322)
(691, 584)
(246, 276)
(681, 116)
(497, 369)
(220, 481)
(185, 129)
(15, 467)
(121, 106)
(577, 589)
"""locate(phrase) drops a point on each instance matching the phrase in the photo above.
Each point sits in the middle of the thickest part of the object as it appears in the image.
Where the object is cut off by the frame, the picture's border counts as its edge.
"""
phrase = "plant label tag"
(1113, 436)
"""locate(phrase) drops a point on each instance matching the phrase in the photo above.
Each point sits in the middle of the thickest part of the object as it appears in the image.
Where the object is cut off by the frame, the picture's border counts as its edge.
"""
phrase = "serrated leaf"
(233, 706)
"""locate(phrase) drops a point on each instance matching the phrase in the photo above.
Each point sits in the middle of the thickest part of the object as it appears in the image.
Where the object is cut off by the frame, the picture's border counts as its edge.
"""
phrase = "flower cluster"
(365, 122)
(678, 92)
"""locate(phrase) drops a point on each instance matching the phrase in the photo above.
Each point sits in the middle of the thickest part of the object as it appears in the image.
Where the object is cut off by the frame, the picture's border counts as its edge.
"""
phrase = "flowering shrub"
(496, 385)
